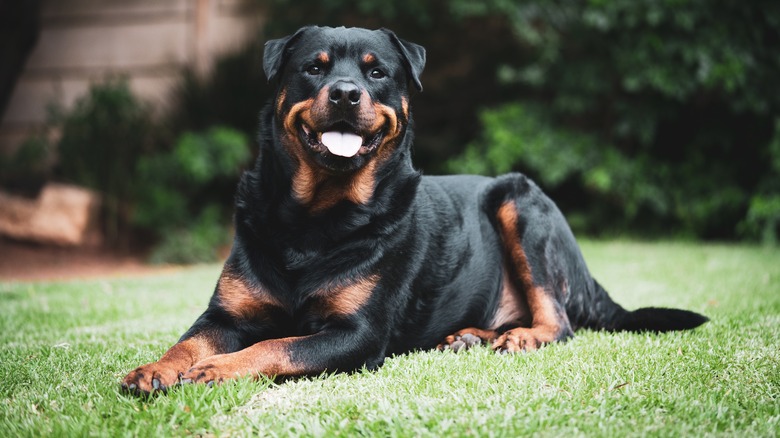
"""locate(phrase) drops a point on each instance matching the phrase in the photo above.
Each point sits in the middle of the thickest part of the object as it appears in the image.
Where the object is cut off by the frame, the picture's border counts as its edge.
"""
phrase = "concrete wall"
(149, 41)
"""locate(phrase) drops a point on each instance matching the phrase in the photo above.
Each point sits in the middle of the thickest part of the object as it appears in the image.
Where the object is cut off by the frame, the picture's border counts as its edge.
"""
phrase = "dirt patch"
(29, 262)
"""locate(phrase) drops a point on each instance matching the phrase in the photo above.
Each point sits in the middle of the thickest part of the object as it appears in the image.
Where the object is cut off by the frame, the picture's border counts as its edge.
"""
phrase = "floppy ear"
(413, 55)
(275, 53)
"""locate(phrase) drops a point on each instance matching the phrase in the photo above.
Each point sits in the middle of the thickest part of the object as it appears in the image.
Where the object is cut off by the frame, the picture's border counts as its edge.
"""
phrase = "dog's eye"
(314, 70)
(377, 73)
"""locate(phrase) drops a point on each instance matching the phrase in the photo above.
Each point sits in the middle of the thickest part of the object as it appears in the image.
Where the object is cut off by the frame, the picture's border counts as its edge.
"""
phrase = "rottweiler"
(344, 254)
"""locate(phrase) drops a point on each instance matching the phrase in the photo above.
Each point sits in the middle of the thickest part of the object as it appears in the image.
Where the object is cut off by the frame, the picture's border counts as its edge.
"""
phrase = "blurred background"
(126, 123)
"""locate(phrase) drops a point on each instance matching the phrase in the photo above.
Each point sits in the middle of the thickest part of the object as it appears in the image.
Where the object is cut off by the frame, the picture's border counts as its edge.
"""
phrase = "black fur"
(432, 245)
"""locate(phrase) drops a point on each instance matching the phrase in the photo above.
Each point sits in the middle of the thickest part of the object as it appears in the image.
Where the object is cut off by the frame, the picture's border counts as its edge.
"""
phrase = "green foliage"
(27, 165)
(180, 194)
(763, 218)
(218, 153)
(103, 137)
(110, 143)
(517, 133)
(675, 48)
(197, 243)
(677, 97)
(517, 137)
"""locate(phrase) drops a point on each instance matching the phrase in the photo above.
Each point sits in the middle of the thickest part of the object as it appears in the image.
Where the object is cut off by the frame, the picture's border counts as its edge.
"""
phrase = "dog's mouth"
(341, 140)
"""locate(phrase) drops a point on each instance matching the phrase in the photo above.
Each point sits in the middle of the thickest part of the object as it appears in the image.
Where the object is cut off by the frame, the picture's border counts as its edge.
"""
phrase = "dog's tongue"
(343, 144)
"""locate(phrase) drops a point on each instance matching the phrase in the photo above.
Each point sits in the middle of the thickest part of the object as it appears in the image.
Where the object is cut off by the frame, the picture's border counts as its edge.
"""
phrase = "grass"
(64, 347)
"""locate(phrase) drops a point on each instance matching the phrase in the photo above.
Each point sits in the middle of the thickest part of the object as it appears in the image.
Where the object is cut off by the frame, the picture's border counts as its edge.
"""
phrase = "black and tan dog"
(344, 254)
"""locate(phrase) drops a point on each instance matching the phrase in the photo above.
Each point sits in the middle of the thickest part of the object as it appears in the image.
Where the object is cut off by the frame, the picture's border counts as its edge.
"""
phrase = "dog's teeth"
(343, 144)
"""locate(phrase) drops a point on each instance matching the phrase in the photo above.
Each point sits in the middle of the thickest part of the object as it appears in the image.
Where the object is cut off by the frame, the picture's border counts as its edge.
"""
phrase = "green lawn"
(64, 347)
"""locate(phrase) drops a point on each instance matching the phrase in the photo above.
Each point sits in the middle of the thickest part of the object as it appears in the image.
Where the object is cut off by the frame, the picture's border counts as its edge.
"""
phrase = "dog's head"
(343, 99)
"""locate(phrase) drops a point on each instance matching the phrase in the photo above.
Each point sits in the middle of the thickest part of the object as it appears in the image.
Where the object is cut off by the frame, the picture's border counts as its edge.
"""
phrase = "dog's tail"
(608, 315)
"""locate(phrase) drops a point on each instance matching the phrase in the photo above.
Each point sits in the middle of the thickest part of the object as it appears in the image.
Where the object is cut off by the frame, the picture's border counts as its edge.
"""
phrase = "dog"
(344, 254)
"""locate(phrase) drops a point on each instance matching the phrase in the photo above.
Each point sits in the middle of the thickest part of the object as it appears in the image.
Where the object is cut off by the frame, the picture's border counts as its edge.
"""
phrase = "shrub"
(198, 242)
(110, 143)
(588, 179)
(180, 194)
(102, 138)
(763, 218)
(28, 167)
(665, 108)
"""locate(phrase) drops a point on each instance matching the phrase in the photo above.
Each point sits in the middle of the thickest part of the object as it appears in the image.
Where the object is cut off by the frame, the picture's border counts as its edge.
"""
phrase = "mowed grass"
(66, 345)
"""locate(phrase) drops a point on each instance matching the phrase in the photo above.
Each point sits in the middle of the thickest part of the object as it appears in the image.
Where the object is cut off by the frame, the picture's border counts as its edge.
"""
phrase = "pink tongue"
(343, 144)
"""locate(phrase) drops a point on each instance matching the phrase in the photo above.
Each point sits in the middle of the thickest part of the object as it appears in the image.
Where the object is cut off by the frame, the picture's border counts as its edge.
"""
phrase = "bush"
(110, 143)
(103, 137)
(589, 179)
(180, 194)
(763, 218)
(28, 167)
(198, 242)
(665, 108)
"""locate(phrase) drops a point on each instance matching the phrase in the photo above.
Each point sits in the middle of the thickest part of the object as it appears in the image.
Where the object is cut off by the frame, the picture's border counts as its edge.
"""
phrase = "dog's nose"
(344, 94)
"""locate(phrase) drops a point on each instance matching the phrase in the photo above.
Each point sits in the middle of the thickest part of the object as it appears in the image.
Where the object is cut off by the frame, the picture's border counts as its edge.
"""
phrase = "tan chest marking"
(241, 299)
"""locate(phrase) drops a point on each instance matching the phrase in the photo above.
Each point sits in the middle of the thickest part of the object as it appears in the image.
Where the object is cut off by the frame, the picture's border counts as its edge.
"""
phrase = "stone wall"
(148, 41)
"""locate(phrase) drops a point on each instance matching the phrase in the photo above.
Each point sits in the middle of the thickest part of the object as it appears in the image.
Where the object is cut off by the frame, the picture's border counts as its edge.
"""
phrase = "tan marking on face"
(242, 300)
(347, 300)
(307, 177)
(323, 57)
(301, 110)
(280, 100)
(314, 187)
(386, 116)
(369, 58)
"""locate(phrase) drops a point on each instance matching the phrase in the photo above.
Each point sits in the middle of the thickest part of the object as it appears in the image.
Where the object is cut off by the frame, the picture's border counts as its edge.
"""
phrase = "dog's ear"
(413, 55)
(276, 53)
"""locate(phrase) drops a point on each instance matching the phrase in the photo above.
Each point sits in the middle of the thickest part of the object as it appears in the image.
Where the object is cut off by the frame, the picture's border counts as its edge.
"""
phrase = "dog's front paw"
(150, 378)
(215, 369)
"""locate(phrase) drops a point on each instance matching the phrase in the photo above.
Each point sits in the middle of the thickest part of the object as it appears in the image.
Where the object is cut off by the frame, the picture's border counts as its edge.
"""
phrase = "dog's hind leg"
(536, 274)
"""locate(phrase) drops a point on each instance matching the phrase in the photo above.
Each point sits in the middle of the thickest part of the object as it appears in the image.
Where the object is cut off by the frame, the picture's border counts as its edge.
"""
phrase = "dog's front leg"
(329, 350)
(237, 309)
(162, 374)
(350, 337)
